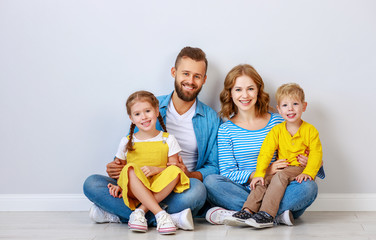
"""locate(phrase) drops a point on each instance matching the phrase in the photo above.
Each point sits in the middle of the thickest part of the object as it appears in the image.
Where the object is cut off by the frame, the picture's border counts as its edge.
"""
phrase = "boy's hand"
(255, 181)
(115, 191)
(303, 177)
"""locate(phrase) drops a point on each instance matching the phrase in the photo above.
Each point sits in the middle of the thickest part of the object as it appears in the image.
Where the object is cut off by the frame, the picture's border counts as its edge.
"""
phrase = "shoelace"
(138, 216)
(162, 220)
(242, 214)
(225, 212)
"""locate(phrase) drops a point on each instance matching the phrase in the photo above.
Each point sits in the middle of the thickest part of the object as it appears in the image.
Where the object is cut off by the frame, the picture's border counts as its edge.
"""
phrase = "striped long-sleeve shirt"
(238, 149)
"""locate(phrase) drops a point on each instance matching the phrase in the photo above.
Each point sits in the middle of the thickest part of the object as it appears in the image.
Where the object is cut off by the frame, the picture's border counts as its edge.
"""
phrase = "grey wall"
(67, 67)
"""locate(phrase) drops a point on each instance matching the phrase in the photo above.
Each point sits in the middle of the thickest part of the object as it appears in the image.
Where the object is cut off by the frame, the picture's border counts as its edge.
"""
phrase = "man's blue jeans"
(95, 189)
(225, 193)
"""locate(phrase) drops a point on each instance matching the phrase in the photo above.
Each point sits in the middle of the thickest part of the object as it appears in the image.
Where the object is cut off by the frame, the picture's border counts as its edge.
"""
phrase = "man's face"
(189, 77)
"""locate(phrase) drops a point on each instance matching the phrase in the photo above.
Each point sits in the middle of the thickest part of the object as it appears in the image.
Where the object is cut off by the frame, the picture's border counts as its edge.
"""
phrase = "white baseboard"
(344, 202)
(78, 202)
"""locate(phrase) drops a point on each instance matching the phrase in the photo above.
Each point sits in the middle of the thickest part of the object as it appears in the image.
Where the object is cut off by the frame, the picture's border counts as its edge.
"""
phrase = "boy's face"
(291, 109)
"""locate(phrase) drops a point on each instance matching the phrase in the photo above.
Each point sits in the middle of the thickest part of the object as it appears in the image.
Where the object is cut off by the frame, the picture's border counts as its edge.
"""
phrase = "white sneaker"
(165, 225)
(137, 221)
(99, 215)
(217, 215)
(183, 219)
(285, 218)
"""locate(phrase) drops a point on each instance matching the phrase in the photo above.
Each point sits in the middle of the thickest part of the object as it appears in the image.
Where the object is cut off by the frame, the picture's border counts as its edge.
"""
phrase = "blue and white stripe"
(238, 149)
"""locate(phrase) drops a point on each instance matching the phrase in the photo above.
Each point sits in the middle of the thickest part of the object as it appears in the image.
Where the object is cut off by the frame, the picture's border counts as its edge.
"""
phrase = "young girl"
(145, 178)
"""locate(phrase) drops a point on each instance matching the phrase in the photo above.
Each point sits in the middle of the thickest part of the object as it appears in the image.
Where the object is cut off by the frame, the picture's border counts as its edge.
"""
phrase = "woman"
(246, 106)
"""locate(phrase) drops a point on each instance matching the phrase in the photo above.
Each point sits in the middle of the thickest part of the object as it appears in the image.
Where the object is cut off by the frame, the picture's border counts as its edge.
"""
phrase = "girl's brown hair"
(143, 96)
(228, 107)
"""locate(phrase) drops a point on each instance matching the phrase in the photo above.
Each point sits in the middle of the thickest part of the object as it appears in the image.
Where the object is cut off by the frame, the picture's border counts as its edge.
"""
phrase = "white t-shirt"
(181, 127)
(173, 145)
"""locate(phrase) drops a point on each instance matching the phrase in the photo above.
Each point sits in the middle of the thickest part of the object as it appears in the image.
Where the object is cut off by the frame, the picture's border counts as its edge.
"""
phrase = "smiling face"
(189, 77)
(291, 109)
(244, 93)
(144, 116)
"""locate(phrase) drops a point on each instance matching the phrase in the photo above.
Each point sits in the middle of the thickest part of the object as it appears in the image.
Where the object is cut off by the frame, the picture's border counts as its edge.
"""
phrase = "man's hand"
(114, 168)
(180, 164)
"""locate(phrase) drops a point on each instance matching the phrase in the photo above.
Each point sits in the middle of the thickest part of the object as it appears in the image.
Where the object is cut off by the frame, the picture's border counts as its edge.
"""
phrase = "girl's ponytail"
(160, 119)
(129, 146)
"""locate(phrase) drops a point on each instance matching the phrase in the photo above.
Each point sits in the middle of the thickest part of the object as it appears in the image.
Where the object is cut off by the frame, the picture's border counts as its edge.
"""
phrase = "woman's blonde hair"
(228, 107)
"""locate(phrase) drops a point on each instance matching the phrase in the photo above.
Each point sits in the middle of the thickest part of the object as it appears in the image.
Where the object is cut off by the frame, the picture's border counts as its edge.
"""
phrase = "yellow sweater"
(289, 147)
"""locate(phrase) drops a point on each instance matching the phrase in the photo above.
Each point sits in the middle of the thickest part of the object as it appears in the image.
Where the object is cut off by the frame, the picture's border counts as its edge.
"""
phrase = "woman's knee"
(213, 180)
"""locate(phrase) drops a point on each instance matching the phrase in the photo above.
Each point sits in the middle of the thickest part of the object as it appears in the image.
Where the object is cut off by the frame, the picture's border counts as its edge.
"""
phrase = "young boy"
(291, 138)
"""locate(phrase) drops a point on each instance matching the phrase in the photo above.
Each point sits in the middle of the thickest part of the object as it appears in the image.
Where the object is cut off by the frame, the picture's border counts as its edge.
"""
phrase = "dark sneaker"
(238, 218)
(260, 220)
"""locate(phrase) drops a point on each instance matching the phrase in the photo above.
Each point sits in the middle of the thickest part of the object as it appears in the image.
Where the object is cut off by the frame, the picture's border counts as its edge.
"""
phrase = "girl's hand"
(303, 177)
(151, 171)
(115, 190)
(255, 181)
(276, 166)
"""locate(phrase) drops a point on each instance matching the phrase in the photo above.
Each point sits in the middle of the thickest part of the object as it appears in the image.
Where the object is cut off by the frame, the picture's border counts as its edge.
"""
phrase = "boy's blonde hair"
(291, 90)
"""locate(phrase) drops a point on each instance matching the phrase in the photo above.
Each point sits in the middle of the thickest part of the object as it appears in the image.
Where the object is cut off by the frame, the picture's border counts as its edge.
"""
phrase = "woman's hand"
(255, 181)
(115, 190)
(114, 168)
(303, 159)
(150, 170)
(303, 177)
(276, 166)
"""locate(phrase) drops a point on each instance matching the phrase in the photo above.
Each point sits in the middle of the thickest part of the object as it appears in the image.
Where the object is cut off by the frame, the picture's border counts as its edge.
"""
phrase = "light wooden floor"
(77, 225)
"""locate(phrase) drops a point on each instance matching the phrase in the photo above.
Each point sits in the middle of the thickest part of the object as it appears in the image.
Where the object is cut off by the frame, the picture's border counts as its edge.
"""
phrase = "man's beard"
(185, 96)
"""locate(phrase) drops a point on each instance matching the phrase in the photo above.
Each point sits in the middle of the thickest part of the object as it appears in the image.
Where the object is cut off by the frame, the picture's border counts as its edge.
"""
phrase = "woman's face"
(244, 93)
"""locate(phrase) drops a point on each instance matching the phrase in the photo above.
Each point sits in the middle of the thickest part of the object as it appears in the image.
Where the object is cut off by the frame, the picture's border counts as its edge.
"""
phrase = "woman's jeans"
(96, 190)
(225, 193)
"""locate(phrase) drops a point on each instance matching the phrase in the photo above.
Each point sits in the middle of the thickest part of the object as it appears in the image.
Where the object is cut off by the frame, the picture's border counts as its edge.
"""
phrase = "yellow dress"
(151, 154)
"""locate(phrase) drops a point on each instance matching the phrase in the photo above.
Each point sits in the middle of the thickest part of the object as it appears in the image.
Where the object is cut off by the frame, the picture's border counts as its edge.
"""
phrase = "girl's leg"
(150, 201)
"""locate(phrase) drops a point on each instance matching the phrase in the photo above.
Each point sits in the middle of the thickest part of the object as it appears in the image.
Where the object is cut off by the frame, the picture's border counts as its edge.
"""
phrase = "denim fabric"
(95, 189)
(205, 123)
(227, 194)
